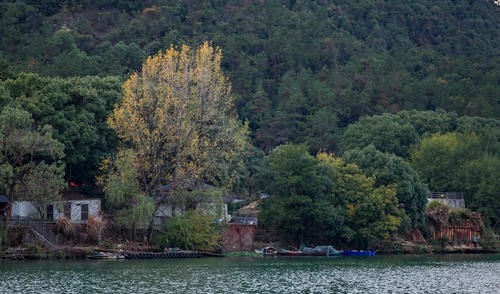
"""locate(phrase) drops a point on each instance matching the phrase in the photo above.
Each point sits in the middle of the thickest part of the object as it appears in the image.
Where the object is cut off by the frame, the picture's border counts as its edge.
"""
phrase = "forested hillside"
(336, 76)
(301, 70)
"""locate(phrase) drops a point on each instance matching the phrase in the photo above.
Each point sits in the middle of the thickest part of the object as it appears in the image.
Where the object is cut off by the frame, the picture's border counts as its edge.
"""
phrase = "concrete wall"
(453, 203)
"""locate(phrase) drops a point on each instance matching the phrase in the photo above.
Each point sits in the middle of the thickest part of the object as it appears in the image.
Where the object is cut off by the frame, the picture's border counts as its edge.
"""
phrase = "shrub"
(192, 231)
(489, 240)
(438, 212)
(107, 244)
(65, 226)
(459, 216)
(34, 249)
(95, 226)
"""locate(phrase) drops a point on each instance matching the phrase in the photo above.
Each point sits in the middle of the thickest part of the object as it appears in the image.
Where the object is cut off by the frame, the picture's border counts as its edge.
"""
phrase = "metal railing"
(446, 195)
(244, 220)
(39, 228)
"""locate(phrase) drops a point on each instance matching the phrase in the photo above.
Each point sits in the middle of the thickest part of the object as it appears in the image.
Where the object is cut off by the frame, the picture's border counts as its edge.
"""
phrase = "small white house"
(23, 209)
(167, 209)
(77, 210)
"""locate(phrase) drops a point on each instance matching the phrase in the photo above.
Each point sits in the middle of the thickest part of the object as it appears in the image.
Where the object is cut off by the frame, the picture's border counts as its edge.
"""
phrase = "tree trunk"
(151, 223)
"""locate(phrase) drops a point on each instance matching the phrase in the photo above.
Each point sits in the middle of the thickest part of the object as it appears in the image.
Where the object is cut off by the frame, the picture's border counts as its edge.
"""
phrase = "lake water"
(379, 274)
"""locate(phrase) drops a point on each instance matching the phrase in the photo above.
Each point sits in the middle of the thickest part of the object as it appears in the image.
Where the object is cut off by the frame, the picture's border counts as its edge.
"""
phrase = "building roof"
(251, 209)
(244, 220)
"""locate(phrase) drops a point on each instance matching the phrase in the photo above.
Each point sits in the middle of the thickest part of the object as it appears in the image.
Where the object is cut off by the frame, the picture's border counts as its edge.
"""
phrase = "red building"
(239, 235)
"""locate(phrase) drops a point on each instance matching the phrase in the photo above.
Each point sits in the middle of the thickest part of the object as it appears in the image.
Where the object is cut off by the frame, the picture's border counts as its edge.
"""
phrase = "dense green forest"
(404, 93)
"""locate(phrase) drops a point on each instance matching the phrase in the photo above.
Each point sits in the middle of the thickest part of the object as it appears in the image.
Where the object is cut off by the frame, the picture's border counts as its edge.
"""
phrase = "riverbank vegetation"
(345, 114)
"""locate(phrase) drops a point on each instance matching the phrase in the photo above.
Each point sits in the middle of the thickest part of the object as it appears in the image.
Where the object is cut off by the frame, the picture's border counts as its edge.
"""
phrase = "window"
(84, 211)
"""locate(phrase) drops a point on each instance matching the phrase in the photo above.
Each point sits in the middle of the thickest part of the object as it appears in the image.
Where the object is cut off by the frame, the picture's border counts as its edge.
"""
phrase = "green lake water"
(379, 274)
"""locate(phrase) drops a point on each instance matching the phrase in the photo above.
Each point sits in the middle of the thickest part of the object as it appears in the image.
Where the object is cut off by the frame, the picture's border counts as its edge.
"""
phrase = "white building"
(452, 199)
(77, 210)
(166, 210)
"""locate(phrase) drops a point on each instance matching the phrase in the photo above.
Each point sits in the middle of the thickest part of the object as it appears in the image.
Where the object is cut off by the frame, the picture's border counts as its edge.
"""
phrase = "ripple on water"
(253, 276)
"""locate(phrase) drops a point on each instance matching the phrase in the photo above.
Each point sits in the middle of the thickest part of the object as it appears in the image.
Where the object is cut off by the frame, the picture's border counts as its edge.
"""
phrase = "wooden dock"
(162, 255)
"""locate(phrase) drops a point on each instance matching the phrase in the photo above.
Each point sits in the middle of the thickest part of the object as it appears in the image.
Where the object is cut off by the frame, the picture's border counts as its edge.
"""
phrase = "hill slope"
(301, 70)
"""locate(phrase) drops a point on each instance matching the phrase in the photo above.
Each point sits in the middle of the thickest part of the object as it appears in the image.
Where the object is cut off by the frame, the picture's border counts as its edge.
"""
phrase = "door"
(50, 212)
(67, 210)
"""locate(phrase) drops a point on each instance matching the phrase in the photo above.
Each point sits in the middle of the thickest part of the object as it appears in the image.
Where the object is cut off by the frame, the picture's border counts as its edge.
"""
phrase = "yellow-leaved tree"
(178, 117)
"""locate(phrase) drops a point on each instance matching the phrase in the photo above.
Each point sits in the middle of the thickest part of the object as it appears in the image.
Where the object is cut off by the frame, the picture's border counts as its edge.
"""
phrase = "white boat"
(267, 251)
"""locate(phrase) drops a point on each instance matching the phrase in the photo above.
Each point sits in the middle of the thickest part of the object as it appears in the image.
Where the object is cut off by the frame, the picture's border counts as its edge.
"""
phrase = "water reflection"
(395, 274)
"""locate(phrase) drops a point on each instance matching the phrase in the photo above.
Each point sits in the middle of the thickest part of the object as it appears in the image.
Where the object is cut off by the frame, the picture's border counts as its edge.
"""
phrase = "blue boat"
(358, 253)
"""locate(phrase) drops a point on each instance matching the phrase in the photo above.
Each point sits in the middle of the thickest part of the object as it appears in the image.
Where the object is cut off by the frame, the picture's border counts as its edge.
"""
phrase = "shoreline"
(82, 253)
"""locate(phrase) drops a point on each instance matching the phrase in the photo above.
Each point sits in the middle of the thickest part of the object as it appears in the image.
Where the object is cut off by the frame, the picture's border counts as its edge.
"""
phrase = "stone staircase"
(47, 237)
(39, 230)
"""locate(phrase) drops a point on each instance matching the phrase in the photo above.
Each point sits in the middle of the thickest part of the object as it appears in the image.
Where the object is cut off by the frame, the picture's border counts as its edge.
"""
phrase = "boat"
(267, 251)
(326, 250)
(359, 253)
(286, 252)
(106, 255)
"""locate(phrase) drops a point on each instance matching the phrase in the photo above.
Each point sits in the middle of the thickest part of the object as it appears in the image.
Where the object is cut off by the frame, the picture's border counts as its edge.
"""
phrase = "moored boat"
(359, 253)
(267, 251)
(106, 255)
(326, 250)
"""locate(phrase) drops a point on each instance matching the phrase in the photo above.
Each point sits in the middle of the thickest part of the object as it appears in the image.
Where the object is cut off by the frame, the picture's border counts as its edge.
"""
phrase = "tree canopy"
(389, 169)
(300, 70)
(386, 132)
(177, 119)
(177, 115)
(77, 109)
(323, 199)
(30, 160)
(460, 162)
